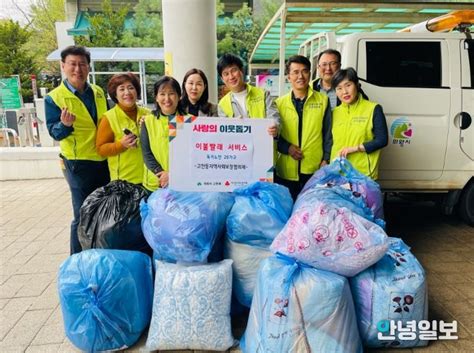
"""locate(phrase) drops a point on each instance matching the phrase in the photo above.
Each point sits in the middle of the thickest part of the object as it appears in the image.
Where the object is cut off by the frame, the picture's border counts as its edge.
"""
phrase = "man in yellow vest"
(305, 131)
(244, 100)
(73, 111)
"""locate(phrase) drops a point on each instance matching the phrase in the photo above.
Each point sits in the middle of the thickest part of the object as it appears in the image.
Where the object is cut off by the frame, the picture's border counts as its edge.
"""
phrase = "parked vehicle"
(425, 84)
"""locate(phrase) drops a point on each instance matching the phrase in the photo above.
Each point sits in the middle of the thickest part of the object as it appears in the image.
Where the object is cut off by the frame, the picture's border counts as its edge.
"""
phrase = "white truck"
(425, 84)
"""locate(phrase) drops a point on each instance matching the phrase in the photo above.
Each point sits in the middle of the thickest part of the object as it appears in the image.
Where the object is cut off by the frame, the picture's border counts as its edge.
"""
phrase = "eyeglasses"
(296, 73)
(331, 63)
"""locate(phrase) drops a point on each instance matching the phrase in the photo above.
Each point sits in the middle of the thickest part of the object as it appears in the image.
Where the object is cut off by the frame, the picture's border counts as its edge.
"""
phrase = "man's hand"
(323, 163)
(295, 152)
(273, 130)
(164, 178)
(67, 118)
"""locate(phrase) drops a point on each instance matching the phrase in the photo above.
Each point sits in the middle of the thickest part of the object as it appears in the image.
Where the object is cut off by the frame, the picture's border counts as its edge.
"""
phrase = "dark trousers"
(295, 187)
(83, 178)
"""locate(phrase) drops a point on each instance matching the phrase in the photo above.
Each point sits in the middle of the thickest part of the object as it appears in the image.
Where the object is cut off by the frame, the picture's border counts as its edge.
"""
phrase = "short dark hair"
(331, 52)
(350, 74)
(167, 81)
(228, 60)
(76, 50)
(297, 59)
(202, 103)
(120, 79)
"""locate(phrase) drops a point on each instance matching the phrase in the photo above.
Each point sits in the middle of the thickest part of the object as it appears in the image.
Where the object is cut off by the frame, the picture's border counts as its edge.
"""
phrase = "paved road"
(34, 236)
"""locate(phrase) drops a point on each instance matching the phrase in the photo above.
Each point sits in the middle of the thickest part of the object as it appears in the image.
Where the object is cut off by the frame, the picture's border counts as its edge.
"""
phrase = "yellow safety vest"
(352, 125)
(255, 103)
(127, 165)
(158, 136)
(80, 144)
(312, 134)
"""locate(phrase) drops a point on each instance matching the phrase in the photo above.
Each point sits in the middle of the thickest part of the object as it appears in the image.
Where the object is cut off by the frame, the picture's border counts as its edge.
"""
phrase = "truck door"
(410, 80)
(466, 118)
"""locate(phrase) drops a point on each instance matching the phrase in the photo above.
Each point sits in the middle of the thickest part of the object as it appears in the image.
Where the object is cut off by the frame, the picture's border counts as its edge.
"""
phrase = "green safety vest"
(80, 144)
(351, 126)
(312, 134)
(158, 136)
(255, 103)
(127, 165)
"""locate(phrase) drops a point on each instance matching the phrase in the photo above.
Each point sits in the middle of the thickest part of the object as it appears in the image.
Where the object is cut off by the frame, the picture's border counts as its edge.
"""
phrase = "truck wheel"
(466, 203)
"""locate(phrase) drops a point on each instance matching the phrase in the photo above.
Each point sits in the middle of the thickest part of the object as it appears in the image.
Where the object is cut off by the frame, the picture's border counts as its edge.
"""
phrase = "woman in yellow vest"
(117, 136)
(154, 134)
(359, 127)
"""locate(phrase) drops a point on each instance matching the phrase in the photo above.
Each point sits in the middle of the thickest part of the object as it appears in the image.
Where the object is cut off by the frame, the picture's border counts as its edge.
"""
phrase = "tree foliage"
(14, 58)
(147, 28)
(44, 15)
(107, 27)
(239, 33)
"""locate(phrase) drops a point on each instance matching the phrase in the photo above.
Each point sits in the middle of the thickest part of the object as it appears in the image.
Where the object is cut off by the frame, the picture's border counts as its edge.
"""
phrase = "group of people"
(313, 124)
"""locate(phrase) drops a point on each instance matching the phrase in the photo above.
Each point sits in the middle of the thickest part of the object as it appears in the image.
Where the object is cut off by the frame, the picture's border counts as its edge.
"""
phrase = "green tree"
(14, 58)
(147, 28)
(44, 14)
(106, 27)
(239, 33)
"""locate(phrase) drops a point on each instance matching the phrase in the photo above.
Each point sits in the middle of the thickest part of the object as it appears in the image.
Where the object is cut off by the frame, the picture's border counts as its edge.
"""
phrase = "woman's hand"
(348, 150)
(163, 177)
(129, 141)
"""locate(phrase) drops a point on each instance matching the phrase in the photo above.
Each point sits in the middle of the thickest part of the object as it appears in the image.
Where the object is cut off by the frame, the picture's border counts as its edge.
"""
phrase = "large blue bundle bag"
(106, 298)
(183, 226)
(259, 212)
(297, 308)
(245, 262)
(392, 289)
(191, 307)
(340, 173)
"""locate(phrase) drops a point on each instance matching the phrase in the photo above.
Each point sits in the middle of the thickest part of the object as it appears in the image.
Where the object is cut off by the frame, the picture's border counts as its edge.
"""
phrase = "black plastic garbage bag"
(110, 218)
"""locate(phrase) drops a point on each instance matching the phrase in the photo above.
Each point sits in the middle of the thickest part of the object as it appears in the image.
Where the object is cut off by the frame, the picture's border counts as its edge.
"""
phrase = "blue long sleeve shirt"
(57, 130)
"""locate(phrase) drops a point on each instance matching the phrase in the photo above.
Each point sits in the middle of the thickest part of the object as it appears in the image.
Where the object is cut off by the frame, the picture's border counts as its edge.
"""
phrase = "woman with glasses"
(359, 127)
(196, 94)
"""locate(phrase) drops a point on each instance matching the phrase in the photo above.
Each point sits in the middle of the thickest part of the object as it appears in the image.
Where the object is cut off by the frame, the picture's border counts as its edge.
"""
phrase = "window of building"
(404, 64)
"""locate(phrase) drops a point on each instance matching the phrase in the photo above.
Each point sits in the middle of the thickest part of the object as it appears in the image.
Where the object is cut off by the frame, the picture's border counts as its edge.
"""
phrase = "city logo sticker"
(401, 131)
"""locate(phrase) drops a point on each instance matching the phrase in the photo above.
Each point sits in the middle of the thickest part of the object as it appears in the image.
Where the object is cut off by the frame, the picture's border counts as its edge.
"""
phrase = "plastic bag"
(246, 260)
(340, 172)
(191, 308)
(297, 308)
(259, 213)
(110, 218)
(331, 238)
(393, 289)
(106, 298)
(183, 226)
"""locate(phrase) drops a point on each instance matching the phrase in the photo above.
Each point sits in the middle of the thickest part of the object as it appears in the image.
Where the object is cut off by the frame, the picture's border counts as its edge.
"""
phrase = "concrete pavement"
(34, 239)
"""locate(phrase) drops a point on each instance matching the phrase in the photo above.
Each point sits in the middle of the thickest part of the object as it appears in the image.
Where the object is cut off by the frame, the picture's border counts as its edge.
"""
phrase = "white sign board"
(219, 154)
